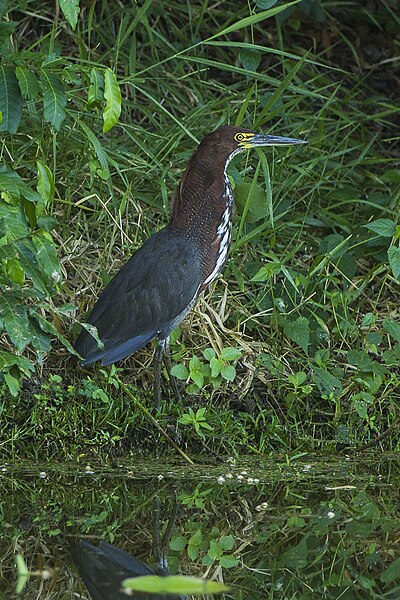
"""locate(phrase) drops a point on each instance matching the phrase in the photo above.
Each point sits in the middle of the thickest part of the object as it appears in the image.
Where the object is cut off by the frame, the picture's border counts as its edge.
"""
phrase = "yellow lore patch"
(244, 139)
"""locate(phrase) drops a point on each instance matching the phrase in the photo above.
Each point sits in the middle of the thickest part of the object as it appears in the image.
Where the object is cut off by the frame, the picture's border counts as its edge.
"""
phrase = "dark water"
(311, 527)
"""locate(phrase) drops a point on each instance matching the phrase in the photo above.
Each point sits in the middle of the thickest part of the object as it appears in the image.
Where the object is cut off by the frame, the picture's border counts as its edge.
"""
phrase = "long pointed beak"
(260, 139)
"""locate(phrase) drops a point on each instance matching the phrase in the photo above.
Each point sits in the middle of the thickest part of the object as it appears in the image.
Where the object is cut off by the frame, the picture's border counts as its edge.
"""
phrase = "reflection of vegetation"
(326, 528)
(101, 123)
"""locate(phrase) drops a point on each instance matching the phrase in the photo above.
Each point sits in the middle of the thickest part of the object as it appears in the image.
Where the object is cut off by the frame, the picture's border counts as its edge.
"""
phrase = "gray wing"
(144, 300)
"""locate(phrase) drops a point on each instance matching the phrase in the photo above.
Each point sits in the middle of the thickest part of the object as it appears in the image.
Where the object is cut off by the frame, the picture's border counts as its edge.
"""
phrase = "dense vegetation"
(297, 345)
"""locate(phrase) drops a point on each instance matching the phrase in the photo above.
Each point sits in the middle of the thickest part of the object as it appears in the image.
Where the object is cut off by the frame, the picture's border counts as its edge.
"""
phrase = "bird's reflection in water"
(103, 568)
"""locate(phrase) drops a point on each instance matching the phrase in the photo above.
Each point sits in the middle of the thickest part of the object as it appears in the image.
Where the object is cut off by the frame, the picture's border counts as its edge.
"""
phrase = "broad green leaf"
(208, 353)
(11, 182)
(298, 331)
(197, 377)
(15, 271)
(28, 83)
(46, 256)
(392, 572)
(228, 372)
(71, 11)
(54, 98)
(10, 100)
(180, 372)
(173, 584)
(94, 333)
(297, 379)
(252, 198)
(249, 59)
(368, 320)
(227, 542)
(45, 185)
(393, 328)
(6, 29)
(360, 359)
(12, 384)
(215, 366)
(96, 89)
(326, 382)
(48, 327)
(16, 323)
(383, 227)
(394, 260)
(178, 542)
(267, 271)
(227, 561)
(7, 360)
(231, 353)
(112, 94)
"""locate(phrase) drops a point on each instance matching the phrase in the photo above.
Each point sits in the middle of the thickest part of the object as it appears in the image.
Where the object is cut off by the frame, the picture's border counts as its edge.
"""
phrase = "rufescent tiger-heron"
(161, 282)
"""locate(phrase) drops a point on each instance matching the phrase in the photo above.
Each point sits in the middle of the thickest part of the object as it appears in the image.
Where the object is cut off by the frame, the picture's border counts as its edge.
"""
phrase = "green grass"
(309, 295)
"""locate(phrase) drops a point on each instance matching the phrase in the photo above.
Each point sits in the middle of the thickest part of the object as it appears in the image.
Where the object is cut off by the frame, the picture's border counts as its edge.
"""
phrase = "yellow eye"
(239, 137)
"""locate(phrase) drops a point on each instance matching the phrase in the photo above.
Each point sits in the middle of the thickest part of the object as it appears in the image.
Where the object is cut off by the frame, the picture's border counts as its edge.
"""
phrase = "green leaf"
(197, 377)
(230, 353)
(298, 331)
(15, 271)
(326, 382)
(250, 59)
(45, 185)
(16, 323)
(28, 83)
(12, 384)
(54, 98)
(267, 271)
(368, 320)
(383, 227)
(251, 197)
(360, 359)
(180, 372)
(394, 260)
(393, 328)
(227, 542)
(208, 354)
(46, 256)
(298, 378)
(228, 372)
(215, 366)
(173, 584)
(71, 11)
(227, 561)
(112, 94)
(178, 543)
(96, 89)
(6, 29)
(392, 572)
(10, 100)
(11, 182)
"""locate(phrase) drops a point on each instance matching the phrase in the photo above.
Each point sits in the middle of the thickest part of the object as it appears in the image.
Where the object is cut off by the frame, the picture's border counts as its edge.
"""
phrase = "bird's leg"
(157, 372)
(172, 379)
